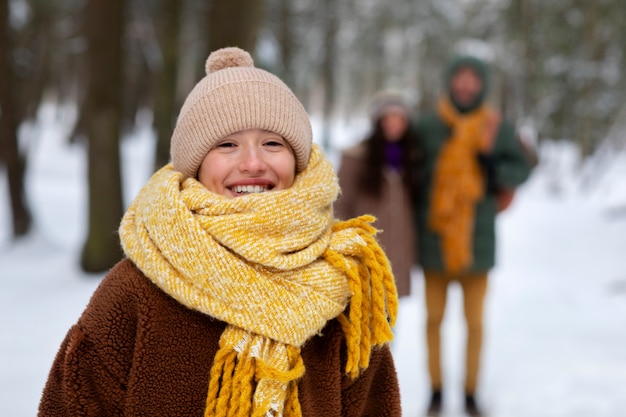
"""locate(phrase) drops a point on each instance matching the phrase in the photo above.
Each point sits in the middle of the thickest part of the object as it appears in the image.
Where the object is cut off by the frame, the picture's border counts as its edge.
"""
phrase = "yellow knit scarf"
(276, 267)
(458, 183)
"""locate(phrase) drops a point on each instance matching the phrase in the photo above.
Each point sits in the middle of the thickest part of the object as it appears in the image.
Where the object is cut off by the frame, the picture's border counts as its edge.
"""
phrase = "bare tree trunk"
(76, 75)
(285, 39)
(9, 116)
(166, 103)
(585, 132)
(36, 41)
(328, 68)
(235, 23)
(104, 28)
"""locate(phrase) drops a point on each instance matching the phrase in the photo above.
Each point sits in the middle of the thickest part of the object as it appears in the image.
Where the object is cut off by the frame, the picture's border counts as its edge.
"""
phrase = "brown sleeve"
(79, 384)
(376, 391)
(88, 375)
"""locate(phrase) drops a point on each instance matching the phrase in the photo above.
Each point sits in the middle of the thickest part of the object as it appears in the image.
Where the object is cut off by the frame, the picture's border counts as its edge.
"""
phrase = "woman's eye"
(226, 145)
(277, 142)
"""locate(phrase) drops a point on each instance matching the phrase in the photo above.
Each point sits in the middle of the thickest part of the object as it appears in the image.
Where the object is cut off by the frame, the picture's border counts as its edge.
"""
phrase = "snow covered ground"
(555, 338)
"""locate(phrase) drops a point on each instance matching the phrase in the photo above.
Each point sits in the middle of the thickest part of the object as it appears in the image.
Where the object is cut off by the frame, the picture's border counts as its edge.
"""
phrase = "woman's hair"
(371, 179)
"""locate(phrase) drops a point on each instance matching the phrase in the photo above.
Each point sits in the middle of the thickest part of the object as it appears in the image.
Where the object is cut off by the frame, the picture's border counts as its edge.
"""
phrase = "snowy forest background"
(89, 93)
(558, 72)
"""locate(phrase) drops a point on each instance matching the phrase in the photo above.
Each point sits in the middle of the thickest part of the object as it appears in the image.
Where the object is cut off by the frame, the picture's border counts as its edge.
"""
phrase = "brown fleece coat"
(135, 351)
(393, 212)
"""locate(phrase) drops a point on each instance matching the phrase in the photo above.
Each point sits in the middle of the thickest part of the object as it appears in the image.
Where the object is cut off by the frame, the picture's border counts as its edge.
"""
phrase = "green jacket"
(508, 169)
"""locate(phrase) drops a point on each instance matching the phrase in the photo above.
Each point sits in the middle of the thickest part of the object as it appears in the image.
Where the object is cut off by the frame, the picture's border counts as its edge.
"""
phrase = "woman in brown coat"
(240, 295)
(376, 178)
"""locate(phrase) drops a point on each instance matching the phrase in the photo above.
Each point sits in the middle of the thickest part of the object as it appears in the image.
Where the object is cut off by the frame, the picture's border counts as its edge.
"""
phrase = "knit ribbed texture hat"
(236, 96)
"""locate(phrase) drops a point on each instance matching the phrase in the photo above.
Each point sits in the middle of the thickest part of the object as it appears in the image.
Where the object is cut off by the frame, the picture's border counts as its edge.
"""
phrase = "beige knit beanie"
(235, 96)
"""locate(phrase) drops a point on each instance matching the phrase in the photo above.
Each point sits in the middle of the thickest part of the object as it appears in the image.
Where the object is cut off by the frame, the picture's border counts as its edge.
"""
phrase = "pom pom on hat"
(234, 96)
(226, 58)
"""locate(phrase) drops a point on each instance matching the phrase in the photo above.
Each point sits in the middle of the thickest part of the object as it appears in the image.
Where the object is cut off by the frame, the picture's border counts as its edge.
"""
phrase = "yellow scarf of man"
(458, 182)
(276, 267)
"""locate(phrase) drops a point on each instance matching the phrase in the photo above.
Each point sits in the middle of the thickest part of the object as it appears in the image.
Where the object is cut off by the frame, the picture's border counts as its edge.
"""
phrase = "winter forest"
(113, 61)
(85, 81)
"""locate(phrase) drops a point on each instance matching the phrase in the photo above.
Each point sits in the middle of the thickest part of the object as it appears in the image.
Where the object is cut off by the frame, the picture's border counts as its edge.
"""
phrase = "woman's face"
(394, 124)
(246, 162)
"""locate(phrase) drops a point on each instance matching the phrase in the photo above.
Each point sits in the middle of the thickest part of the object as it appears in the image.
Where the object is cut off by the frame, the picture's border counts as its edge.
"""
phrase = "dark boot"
(470, 406)
(434, 407)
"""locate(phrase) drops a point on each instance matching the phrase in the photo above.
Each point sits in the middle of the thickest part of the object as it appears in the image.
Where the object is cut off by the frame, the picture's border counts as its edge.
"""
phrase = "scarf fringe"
(374, 304)
(233, 379)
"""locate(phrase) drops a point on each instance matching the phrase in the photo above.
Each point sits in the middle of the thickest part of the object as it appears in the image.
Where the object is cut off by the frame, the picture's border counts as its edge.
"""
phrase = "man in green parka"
(472, 163)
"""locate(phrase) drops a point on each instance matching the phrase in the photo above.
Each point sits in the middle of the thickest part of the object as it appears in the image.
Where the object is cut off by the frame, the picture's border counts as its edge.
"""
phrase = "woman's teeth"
(249, 189)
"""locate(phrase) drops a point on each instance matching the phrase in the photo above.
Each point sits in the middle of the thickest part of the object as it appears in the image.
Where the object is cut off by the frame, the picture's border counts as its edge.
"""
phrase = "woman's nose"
(251, 160)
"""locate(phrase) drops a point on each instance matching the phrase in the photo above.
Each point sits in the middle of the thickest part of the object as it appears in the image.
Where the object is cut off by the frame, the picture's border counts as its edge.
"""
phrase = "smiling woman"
(258, 305)
(250, 161)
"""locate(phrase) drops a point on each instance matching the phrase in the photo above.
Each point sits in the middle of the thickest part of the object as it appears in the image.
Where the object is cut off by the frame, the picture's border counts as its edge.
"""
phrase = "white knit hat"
(386, 101)
(236, 96)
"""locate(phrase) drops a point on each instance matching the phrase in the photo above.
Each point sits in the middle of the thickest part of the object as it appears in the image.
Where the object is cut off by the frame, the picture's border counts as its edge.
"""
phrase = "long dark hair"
(372, 178)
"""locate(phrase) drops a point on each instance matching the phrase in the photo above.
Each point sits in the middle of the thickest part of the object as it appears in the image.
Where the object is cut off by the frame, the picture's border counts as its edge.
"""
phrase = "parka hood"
(481, 69)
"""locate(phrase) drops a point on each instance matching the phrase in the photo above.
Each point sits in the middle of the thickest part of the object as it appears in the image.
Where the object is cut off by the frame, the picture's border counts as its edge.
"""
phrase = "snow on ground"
(555, 337)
